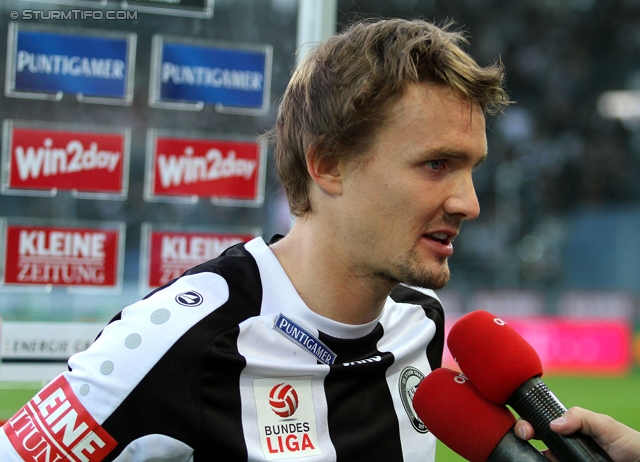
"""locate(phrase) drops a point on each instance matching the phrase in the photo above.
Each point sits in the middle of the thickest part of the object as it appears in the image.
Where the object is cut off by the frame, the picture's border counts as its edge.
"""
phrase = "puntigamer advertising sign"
(187, 74)
(45, 63)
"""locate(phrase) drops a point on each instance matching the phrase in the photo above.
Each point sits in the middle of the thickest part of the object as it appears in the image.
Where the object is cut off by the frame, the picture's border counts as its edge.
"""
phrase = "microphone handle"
(511, 449)
(535, 403)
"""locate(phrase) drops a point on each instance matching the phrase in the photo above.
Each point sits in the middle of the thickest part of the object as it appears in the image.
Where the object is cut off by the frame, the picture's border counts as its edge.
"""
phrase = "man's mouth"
(442, 238)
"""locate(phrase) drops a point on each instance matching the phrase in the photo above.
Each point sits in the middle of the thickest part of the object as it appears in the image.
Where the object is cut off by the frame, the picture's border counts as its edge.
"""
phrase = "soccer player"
(309, 347)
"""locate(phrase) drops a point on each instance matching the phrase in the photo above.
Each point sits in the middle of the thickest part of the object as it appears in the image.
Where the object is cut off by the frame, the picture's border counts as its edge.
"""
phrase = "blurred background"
(556, 248)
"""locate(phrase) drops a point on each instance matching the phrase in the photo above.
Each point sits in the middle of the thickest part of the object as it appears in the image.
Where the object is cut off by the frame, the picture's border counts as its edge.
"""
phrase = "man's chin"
(428, 279)
(413, 271)
(432, 282)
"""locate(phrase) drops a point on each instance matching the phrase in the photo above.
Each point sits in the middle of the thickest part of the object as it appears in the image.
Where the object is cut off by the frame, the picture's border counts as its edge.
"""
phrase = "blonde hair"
(341, 92)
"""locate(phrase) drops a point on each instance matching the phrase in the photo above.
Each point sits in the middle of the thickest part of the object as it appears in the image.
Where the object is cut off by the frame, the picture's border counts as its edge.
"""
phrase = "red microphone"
(468, 423)
(507, 370)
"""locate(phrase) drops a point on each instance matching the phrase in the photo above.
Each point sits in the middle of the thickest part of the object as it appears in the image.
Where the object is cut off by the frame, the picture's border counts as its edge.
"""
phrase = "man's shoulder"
(234, 264)
(231, 280)
(403, 293)
(426, 299)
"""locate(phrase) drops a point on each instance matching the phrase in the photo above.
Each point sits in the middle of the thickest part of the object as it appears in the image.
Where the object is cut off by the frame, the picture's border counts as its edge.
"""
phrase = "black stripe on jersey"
(433, 310)
(221, 406)
(363, 424)
(200, 370)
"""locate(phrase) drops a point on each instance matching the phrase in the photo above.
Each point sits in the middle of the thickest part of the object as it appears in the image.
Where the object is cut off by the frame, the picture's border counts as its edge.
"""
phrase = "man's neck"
(322, 272)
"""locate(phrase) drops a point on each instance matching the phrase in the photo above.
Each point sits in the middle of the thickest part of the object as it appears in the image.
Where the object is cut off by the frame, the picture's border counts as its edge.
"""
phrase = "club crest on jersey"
(286, 417)
(410, 378)
(190, 298)
(304, 339)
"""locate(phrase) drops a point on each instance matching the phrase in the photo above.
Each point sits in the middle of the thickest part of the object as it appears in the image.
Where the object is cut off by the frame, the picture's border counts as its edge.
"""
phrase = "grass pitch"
(14, 395)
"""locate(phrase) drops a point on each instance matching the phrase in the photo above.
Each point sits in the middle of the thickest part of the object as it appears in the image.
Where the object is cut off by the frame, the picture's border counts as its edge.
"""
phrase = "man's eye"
(435, 164)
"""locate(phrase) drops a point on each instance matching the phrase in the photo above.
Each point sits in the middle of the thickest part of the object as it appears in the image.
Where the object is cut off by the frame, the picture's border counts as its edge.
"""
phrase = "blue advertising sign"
(234, 78)
(97, 67)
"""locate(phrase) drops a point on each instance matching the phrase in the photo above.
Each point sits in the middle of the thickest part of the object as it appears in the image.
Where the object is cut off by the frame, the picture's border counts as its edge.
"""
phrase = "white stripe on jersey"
(103, 375)
(7, 453)
(407, 322)
(279, 358)
(156, 448)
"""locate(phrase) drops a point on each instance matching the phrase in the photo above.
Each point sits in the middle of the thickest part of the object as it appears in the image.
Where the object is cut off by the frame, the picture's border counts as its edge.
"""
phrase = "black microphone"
(468, 423)
(507, 370)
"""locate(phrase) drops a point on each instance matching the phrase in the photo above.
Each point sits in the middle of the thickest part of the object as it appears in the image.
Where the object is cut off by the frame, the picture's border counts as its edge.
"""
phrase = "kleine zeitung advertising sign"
(53, 255)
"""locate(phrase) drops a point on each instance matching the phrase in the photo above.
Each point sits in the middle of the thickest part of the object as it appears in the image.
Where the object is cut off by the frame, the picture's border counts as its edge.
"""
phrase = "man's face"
(403, 206)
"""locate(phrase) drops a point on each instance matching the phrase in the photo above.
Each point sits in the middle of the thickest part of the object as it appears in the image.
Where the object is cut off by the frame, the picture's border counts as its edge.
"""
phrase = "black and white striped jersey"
(227, 363)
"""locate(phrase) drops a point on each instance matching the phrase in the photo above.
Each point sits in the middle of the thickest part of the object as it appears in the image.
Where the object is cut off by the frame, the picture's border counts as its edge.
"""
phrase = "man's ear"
(325, 172)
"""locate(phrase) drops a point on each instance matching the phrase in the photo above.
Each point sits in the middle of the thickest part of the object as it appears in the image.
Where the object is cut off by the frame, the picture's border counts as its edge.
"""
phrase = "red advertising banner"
(223, 170)
(572, 345)
(49, 159)
(62, 427)
(62, 256)
(171, 253)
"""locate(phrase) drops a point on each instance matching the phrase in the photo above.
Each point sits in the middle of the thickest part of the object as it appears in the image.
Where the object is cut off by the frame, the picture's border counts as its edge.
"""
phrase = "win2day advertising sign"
(41, 159)
(183, 167)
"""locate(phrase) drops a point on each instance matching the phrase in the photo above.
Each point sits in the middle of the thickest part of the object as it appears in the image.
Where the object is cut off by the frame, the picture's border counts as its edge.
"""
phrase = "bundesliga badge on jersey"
(286, 417)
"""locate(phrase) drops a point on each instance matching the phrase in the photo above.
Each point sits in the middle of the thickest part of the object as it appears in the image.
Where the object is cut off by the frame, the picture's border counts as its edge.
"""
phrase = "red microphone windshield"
(459, 416)
(492, 355)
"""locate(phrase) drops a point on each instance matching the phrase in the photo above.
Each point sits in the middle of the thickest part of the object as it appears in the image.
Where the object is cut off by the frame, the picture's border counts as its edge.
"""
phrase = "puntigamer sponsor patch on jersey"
(304, 339)
(286, 417)
(55, 426)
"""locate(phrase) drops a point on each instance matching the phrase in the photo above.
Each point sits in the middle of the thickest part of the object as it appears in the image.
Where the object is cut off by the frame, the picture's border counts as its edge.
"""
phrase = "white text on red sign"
(48, 160)
(54, 426)
(186, 169)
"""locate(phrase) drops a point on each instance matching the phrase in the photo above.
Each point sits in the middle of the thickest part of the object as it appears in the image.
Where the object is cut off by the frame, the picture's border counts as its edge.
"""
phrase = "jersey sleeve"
(133, 394)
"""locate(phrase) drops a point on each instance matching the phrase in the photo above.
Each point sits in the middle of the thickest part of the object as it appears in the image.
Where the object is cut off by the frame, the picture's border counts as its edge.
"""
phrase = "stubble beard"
(410, 269)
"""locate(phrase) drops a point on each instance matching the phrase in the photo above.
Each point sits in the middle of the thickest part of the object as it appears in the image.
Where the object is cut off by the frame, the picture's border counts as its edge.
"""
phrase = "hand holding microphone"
(507, 370)
(621, 442)
(472, 426)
